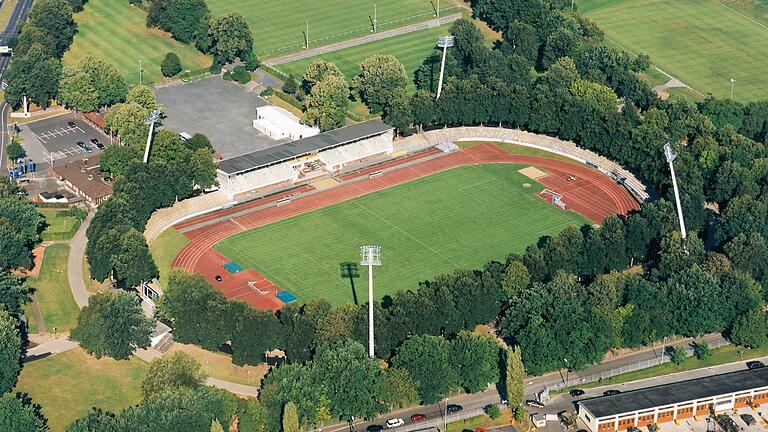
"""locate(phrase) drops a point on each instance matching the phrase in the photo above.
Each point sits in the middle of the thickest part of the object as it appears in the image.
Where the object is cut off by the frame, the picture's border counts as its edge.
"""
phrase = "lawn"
(52, 290)
(704, 43)
(59, 227)
(219, 365)
(462, 217)
(116, 31)
(410, 49)
(277, 24)
(67, 385)
(164, 249)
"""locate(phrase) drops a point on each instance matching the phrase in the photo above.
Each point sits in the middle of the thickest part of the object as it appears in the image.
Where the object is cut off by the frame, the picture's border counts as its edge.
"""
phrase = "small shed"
(539, 420)
(275, 357)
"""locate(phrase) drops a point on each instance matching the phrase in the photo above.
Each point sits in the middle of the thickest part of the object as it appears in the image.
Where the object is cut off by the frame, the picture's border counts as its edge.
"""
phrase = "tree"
(291, 418)
(106, 79)
(10, 352)
(20, 228)
(749, 253)
(419, 355)
(144, 97)
(521, 39)
(15, 150)
(249, 346)
(399, 389)
(171, 65)
(14, 292)
(290, 86)
(422, 108)
(34, 35)
(19, 414)
(379, 76)
(216, 426)
(750, 329)
(115, 160)
(492, 411)
(476, 359)
(112, 324)
(76, 91)
(676, 355)
(97, 420)
(171, 373)
(230, 37)
(133, 263)
(128, 120)
(469, 44)
(184, 19)
(397, 110)
(427, 76)
(55, 17)
(317, 71)
(514, 376)
(326, 105)
(516, 278)
(198, 141)
(35, 75)
(702, 351)
(202, 168)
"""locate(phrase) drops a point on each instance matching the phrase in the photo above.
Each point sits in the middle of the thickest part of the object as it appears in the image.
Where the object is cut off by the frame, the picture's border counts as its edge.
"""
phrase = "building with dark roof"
(328, 152)
(675, 401)
(82, 177)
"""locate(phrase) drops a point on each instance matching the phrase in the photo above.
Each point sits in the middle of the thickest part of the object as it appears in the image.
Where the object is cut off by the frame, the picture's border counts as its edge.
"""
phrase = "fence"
(575, 380)
(349, 33)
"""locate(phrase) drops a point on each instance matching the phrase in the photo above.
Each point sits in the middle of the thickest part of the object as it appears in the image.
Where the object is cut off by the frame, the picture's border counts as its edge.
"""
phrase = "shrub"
(493, 411)
(227, 76)
(15, 150)
(171, 65)
(215, 68)
(290, 85)
(267, 92)
(676, 355)
(251, 62)
(702, 351)
(241, 75)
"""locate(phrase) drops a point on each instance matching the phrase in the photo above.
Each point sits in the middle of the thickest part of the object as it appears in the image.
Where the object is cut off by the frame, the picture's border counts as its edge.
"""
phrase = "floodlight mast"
(443, 42)
(153, 116)
(670, 158)
(370, 256)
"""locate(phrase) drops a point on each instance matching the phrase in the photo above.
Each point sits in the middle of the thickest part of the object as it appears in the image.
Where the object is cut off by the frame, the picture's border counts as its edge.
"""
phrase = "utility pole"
(153, 116)
(438, 8)
(370, 256)
(670, 158)
(443, 42)
(374, 18)
(306, 34)
(732, 82)
(140, 71)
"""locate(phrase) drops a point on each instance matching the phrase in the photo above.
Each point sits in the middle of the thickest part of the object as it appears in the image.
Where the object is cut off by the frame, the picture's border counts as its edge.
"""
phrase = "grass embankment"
(481, 421)
(59, 227)
(67, 385)
(219, 365)
(164, 249)
(52, 291)
(410, 49)
(5, 12)
(462, 217)
(117, 32)
(704, 43)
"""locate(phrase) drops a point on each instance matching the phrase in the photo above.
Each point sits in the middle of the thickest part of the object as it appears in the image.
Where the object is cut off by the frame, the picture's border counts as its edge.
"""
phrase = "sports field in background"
(410, 49)
(462, 217)
(281, 23)
(117, 32)
(704, 43)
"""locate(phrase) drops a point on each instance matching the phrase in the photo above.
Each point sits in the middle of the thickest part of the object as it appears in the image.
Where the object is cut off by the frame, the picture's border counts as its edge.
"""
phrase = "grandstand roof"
(294, 149)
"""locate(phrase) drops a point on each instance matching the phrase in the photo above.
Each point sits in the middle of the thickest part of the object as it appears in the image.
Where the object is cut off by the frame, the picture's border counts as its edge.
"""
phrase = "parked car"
(534, 403)
(97, 143)
(218, 278)
(576, 392)
(611, 392)
(418, 417)
(755, 364)
(81, 145)
(72, 124)
(395, 422)
(748, 419)
(453, 408)
(374, 428)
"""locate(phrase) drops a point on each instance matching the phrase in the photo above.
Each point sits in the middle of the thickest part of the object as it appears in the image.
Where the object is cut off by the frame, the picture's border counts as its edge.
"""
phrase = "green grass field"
(59, 227)
(67, 385)
(52, 290)
(116, 32)
(704, 43)
(282, 23)
(410, 49)
(164, 249)
(463, 217)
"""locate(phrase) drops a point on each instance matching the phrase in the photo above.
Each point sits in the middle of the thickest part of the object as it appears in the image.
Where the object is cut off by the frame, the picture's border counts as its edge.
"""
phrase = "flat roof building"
(278, 123)
(675, 401)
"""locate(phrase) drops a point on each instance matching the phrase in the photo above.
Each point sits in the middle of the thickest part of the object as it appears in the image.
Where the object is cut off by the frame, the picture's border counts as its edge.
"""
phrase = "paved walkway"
(362, 40)
(75, 263)
(54, 346)
(240, 389)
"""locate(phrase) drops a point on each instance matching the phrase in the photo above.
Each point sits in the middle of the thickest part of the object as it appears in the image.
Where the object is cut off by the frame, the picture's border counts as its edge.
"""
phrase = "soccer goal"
(252, 285)
(555, 198)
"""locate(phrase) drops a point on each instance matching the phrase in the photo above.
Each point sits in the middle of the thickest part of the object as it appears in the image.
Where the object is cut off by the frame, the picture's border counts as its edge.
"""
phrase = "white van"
(395, 422)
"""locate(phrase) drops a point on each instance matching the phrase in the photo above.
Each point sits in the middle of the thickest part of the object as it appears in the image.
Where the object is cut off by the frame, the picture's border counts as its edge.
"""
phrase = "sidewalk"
(75, 263)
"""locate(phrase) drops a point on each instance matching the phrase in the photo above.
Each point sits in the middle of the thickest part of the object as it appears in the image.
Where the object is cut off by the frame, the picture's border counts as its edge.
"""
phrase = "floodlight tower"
(443, 42)
(370, 256)
(153, 116)
(671, 157)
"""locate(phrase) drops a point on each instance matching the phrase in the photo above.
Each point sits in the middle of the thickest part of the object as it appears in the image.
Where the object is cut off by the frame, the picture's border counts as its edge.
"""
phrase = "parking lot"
(55, 140)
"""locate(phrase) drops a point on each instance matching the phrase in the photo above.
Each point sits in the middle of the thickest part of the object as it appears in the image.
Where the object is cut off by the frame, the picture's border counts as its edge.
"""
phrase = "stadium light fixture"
(153, 116)
(443, 42)
(370, 256)
(670, 158)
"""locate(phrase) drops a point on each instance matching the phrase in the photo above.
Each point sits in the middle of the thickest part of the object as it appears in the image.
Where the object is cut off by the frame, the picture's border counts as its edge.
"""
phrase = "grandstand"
(327, 153)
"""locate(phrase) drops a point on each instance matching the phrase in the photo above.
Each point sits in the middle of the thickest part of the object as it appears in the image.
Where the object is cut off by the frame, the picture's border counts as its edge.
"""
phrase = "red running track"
(592, 194)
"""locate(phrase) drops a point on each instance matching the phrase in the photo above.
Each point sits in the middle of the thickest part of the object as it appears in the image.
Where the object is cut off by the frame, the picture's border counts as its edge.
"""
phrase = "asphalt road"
(18, 16)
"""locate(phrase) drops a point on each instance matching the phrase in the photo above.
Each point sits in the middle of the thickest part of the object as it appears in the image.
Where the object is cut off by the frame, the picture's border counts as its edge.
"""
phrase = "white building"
(278, 123)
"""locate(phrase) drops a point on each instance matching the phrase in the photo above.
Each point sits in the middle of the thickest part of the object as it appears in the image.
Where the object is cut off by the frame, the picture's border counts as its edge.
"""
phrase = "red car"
(418, 417)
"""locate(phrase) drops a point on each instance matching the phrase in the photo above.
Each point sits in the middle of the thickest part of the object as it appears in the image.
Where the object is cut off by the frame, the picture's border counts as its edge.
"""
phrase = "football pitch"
(410, 49)
(117, 32)
(460, 218)
(282, 23)
(704, 43)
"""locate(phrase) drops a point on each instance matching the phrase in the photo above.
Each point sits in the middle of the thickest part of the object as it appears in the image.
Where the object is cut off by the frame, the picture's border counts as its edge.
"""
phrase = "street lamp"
(370, 256)
(567, 372)
(443, 42)
(140, 71)
(663, 348)
(153, 116)
(374, 18)
(670, 158)
(732, 82)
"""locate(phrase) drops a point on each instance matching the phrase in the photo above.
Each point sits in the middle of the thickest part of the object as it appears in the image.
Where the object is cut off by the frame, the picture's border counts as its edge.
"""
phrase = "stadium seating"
(337, 158)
